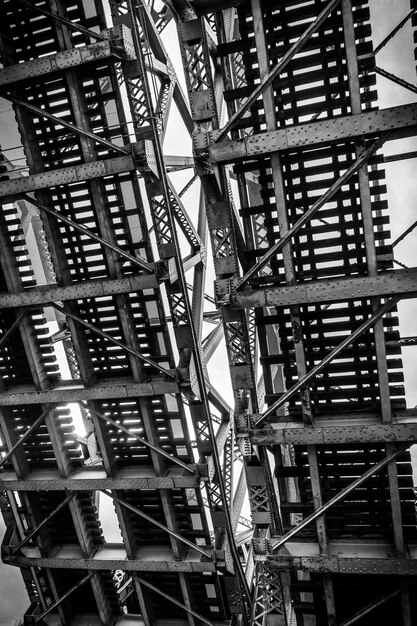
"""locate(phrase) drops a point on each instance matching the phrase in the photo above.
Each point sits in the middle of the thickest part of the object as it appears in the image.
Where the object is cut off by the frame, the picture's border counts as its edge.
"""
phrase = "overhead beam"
(45, 294)
(78, 393)
(399, 121)
(349, 558)
(59, 62)
(340, 432)
(386, 284)
(92, 479)
(67, 175)
(112, 557)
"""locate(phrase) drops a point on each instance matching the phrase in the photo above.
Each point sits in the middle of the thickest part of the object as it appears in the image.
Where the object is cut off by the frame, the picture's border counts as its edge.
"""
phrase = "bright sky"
(398, 57)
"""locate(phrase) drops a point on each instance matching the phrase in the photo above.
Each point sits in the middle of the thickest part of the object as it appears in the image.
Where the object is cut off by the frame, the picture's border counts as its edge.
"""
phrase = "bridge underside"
(128, 471)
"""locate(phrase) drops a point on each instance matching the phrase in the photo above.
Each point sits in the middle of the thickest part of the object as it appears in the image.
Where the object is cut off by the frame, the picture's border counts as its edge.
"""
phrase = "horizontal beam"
(111, 557)
(399, 282)
(130, 619)
(402, 120)
(345, 558)
(343, 431)
(76, 393)
(46, 294)
(94, 479)
(58, 62)
(67, 175)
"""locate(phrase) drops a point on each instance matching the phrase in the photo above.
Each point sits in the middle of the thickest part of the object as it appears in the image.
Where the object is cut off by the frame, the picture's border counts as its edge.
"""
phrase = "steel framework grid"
(232, 63)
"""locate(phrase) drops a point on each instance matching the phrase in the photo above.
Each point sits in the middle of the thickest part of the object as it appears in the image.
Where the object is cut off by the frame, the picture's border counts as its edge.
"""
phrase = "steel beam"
(385, 284)
(338, 432)
(113, 557)
(93, 479)
(399, 121)
(45, 294)
(67, 175)
(76, 392)
(61, 61)
(354, 562)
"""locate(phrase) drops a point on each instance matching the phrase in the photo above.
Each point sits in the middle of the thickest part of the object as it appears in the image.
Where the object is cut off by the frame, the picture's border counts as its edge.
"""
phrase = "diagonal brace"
(153, 521)
(88, 233)
(12, 328)
(341, 495)
(53, 606)
(42, 524)
(116, 342)
(329, 357)
(145, 583)
(282, 64)
(150, 445)
(308, 215)
(28, 432)
(374, 605)
(79, 28)
(57, 120)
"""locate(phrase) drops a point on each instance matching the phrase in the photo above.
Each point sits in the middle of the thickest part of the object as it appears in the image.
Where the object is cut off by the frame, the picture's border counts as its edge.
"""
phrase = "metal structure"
(103, 319)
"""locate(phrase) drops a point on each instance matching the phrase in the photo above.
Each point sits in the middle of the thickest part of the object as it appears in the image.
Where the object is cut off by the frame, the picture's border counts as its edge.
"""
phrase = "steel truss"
(286, 150)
